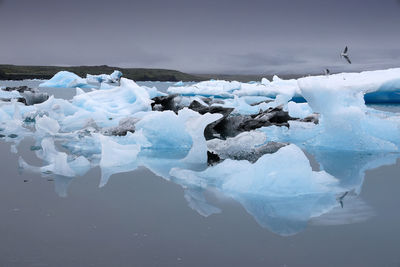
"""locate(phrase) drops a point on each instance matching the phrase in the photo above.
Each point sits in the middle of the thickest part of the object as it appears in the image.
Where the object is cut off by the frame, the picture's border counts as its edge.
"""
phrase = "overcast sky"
(207, 36)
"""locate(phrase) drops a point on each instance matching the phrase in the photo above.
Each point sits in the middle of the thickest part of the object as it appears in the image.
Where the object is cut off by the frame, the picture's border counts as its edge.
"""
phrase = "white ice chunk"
(46, 125)
(243, 143)
(9, 94)
(299, 110)
(114, 154)
(346, 123)
(104, 78)
(153, 92)
(268, 176)
(280, 198)
(180, 83)
(195, 125)
(107, 107)
(166, 131)
(207, 88)
(116, 76)
(116, 157)
(66, 79)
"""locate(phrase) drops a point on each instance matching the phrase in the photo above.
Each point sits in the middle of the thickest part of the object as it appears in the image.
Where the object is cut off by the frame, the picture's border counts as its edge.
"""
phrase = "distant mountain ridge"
(20, 72)
(15, 72)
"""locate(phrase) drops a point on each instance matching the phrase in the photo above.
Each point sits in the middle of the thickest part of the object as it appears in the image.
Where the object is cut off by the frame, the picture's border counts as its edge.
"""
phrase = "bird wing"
(348, 59)
(345, 50)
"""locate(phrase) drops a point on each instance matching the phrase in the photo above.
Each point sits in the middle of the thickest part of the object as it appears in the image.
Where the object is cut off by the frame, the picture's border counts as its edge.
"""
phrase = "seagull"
(340, 198)
(327, 72)
(345, 55)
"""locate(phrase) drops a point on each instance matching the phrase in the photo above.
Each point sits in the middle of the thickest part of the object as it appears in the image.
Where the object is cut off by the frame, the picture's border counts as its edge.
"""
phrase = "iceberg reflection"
(283, 200)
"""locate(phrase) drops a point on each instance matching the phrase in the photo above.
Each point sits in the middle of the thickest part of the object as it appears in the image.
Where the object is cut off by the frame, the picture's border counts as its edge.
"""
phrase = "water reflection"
(350, 166)
(280, 191)
(283, 207)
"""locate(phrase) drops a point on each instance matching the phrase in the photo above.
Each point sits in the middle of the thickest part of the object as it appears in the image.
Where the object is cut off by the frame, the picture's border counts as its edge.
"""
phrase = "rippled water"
(141, 219)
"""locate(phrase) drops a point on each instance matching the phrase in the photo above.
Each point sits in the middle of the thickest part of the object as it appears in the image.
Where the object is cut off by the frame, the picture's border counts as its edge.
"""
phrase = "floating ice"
(220, 88)
(248, 145)
(47, 125)
(270, 183)
(66, 79)
(346, 123)
(115, 77)
(387, 90)
(299, 110)
(207, 88)
(115, 155)
(107, 107)
(269, 175)
(180, 83)
(126, 126)
(9, 94)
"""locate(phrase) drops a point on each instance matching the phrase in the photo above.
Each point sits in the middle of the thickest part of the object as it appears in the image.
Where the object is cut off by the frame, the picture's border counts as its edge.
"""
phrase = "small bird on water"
(345, 55)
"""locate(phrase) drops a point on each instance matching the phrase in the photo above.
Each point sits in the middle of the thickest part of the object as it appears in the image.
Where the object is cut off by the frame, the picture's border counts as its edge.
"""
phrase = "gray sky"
(207, 36)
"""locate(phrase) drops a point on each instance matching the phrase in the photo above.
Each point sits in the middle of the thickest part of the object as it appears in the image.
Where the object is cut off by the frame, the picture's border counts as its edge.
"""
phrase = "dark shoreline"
(16, 72)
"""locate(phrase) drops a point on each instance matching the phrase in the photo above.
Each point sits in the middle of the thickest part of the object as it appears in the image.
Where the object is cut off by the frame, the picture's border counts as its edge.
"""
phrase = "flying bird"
(340, 198)
(345, 55)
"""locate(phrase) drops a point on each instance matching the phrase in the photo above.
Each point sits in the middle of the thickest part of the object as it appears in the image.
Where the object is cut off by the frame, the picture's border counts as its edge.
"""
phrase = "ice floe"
(66, 79)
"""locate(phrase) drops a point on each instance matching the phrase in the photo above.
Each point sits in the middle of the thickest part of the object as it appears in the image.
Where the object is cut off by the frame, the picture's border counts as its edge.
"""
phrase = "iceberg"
(227, 89)
(66, 79)
(387, 89)
(299, 110)
(107, 107)
(346, 122)
(281, 199)
(245, 146)
(216, 88)
(114, 155)
(114, 77)
(180, 83)
(269, 175)
(47, 125)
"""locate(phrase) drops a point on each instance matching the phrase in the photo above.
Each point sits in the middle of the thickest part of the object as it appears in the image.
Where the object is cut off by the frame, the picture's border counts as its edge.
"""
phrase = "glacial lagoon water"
(141, 219)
